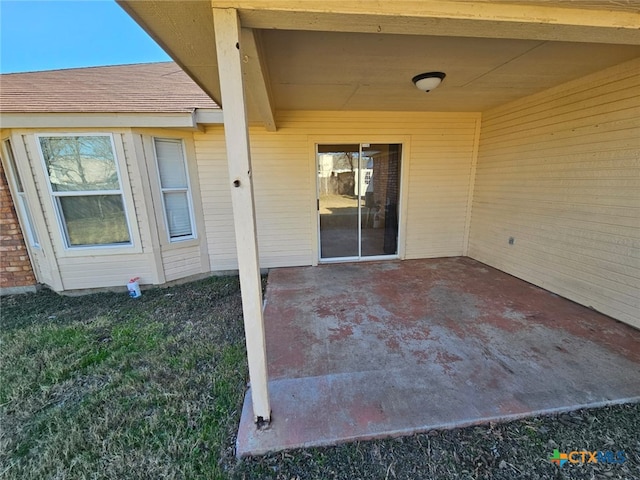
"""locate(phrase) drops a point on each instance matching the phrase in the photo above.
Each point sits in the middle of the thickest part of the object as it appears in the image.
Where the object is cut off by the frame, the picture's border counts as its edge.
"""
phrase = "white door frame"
(405, 142)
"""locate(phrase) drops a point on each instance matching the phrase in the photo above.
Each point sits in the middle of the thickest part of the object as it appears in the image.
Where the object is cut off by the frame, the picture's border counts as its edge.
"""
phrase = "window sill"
(103, 250)
(176, 244)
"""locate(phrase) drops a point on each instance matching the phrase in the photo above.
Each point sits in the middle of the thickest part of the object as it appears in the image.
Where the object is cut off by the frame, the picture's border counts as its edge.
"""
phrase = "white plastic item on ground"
(134, 288)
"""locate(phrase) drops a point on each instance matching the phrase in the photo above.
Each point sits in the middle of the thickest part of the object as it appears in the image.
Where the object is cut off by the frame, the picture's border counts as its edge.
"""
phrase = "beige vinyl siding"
(284, 192)
(283, 195)
(183, 258)
(439, 183)
(560, 172)
(437, 160)
(216, 198)
(105, 271)
(181, 262)
(139, 216)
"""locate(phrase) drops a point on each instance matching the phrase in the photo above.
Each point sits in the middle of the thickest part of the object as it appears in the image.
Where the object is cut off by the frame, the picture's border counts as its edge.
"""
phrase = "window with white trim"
(174, 187)
(22, 203)
(84, 182)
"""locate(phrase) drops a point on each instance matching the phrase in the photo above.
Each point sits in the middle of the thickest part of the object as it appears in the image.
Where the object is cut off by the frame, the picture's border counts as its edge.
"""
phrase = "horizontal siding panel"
(422, 152)
(551, 170)
(596, 241)
(623, 119)
(607, 113)
(436, 251)
(560, 172)
(604, 106)
(579, 259)
(572, 109)
(570, 94)
(547, 212)
(594, 185)
(623, 139)
(617, 198)
(180, 262)
(288, 260)
(272, 241)
(107, 271)
(606, 155)
(186, 271)
(177, 252)
(375, 122)
(223, 263)
(600, 133)
(456, 168)
(617, 263)
(438, 195)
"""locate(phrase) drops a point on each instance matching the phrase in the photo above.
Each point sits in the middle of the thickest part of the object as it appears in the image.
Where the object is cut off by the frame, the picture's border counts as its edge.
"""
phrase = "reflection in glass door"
(358, 195)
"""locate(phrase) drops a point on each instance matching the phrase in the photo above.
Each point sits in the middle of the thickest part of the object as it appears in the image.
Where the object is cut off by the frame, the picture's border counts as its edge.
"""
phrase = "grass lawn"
(104, 386)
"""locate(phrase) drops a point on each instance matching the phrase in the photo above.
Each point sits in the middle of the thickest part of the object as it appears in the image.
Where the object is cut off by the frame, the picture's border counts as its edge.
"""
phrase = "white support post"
(227, 30)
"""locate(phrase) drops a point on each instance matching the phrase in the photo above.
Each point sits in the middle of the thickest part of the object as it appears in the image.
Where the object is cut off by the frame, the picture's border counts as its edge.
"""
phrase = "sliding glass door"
(358, 196)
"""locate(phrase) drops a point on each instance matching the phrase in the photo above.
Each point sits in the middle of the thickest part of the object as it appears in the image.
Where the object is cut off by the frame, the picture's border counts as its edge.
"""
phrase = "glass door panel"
(338, 201)
(380, 206)
(358, 193)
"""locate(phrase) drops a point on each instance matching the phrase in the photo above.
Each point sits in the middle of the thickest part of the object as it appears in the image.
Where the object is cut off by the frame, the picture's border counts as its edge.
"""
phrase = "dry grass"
(106, 387)
(514, 450)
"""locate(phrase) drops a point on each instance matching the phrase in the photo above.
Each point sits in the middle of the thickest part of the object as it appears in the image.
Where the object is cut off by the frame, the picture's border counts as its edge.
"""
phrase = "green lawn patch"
(103, 386)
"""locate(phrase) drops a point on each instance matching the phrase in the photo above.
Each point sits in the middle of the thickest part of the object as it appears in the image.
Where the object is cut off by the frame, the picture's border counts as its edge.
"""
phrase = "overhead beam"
(257, 77)
(517, 20)
(183, 29)
(229, 53)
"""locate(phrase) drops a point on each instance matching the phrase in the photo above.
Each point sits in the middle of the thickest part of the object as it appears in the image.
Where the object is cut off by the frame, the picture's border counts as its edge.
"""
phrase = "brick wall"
(15, 266)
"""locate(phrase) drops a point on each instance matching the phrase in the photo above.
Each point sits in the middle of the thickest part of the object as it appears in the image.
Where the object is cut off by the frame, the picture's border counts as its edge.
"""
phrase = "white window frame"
(55, 195)
(186, 190)
(22, 204)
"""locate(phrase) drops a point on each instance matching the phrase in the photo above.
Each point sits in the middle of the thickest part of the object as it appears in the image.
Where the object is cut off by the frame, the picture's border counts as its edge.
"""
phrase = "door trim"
(405, 157)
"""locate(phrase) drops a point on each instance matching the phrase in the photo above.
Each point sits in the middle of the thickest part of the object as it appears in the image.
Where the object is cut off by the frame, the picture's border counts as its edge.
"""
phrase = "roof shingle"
(140, 88)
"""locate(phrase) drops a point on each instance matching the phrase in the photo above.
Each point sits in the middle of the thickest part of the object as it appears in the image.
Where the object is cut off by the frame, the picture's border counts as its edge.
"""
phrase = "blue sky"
(47, 35)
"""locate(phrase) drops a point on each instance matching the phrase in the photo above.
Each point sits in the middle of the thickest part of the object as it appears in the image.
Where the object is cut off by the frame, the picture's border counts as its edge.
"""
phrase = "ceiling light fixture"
(428, 81)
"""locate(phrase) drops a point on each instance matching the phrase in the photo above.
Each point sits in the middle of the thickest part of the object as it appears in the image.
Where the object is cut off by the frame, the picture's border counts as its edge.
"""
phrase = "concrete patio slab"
(368, 350)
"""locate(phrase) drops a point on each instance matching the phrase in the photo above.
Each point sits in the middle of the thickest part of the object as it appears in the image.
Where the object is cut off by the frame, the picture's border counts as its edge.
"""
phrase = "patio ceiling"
(362, 55)
(360, 71)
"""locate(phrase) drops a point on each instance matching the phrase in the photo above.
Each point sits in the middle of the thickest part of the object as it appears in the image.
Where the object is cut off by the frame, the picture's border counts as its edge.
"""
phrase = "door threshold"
(375, 258)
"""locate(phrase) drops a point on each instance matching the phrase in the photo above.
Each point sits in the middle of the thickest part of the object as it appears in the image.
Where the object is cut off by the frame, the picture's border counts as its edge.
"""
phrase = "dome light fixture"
(428, 81)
